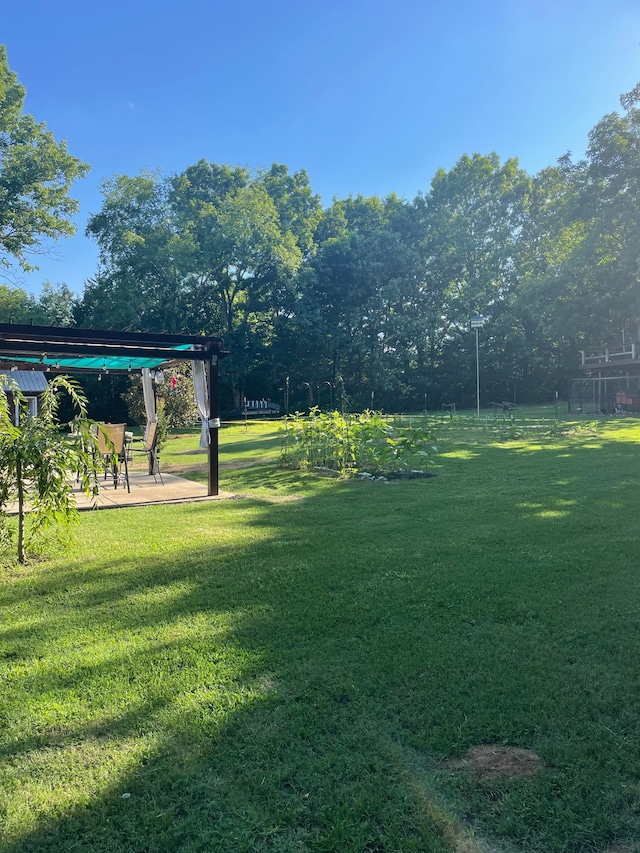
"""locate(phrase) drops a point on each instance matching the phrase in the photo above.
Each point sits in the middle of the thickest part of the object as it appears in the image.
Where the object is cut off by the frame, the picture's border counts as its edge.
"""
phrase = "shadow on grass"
(247, 691)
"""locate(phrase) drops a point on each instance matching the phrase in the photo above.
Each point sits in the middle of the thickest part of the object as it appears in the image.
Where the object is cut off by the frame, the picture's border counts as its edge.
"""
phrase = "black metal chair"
(150, 447)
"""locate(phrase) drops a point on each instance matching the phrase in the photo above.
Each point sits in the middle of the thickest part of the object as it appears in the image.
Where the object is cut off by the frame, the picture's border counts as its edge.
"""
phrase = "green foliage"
(55, 305)
(36, 174)
(37, 458)
(175, 398)
(352, 444)
(213, 248)
(376, 293)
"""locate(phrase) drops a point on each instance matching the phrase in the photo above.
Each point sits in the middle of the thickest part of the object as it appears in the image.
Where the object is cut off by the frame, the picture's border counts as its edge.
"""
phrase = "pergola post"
(214, 426)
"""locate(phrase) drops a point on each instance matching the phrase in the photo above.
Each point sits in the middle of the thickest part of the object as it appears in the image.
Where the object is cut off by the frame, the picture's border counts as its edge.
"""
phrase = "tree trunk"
(237, 381)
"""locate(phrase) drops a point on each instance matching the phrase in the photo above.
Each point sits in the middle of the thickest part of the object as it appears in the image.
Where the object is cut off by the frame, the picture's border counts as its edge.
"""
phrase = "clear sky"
(369, 97)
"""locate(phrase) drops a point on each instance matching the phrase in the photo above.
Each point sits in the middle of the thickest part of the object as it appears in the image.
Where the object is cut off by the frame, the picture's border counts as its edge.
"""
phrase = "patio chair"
(150, 447)
(110, 443)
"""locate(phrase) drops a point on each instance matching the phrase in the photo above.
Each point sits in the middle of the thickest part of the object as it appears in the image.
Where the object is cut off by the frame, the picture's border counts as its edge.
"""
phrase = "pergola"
(71, 350)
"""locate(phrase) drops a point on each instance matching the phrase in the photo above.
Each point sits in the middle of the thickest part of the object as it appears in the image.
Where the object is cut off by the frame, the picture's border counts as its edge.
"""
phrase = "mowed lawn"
(305, 667)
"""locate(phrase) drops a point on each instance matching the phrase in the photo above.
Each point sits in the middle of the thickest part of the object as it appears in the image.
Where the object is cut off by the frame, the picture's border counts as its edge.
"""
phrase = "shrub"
(175, 399)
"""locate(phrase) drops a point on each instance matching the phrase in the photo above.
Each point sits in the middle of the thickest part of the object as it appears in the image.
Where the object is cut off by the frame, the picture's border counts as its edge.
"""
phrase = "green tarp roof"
(111, 362)
(72, 348)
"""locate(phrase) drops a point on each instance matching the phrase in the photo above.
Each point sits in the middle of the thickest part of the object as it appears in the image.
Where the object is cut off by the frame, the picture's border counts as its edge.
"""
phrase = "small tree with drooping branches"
(37, 457)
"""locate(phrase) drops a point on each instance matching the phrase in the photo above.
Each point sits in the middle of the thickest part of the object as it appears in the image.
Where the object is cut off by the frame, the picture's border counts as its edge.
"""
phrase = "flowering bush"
(175, 398)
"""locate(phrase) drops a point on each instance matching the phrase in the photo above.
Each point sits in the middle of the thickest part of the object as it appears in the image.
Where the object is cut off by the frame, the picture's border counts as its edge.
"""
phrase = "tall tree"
(58, 304)
(543, 309)
(580, 259)
(473, 218)
(610, 208)
(146, 259)
(36, 174)
(205, 250)
(18, 306)
(55, 305)
(356, 307)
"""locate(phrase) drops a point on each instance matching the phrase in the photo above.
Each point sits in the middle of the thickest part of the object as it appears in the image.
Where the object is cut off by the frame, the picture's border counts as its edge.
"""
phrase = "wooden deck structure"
(611, 381)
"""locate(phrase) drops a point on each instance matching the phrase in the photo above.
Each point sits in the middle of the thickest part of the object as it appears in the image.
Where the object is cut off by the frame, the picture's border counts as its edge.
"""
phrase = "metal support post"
(214, 417)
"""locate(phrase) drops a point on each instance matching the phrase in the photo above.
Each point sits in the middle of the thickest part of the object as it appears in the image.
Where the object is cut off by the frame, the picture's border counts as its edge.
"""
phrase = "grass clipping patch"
(486, 761)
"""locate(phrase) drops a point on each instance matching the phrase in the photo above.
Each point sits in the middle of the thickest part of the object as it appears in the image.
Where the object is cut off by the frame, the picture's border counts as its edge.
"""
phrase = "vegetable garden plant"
(362, 444)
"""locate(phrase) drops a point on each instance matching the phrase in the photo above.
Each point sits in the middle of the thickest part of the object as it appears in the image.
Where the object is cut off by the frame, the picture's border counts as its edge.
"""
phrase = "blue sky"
(369, 97)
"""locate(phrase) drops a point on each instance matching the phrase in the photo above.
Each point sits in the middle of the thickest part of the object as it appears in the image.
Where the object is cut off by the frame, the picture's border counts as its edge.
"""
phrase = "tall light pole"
(477, 322)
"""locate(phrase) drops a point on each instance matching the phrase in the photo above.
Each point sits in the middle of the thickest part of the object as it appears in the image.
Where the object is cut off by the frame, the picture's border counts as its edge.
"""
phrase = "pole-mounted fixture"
(477, 322)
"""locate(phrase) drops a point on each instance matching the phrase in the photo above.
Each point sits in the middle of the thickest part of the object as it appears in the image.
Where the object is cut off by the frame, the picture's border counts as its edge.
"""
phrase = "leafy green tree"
(538, 328)
(36, 458)
(145, 259)
(346, 295)
(18, 306)
(36, 174)
(606, 260)
(390, 290)
(299, 208)
(252, 232)
(205, 250)
(55, 305)
(473, 217)
(579, 260)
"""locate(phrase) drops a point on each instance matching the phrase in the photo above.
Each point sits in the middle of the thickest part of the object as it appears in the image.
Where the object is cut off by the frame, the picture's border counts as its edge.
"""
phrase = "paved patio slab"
(144, 491)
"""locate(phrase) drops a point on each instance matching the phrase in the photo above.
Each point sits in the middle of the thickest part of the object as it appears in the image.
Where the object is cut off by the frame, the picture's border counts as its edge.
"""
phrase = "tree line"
(370, 298)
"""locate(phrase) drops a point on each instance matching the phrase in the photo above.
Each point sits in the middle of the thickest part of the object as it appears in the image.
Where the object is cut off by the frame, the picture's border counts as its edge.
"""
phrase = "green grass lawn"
(298, 669)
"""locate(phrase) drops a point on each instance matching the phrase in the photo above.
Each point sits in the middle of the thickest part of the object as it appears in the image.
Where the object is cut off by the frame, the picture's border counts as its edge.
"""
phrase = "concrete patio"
(145, 491)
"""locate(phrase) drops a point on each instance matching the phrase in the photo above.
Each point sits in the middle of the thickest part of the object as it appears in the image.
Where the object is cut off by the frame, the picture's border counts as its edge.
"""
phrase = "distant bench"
(258, 409)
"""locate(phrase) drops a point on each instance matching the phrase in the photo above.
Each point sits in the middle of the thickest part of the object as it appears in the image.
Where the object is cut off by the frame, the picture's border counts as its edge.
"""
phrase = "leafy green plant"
(350, 444)
(175, 401)
(36, 458)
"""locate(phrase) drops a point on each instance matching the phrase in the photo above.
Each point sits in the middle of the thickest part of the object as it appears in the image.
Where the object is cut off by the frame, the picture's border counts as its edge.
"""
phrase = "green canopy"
(101, 363)
(70, 348)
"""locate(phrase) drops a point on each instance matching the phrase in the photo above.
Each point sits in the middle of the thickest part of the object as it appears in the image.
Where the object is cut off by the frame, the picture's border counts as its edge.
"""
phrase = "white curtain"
(149, 399)
(202, 399)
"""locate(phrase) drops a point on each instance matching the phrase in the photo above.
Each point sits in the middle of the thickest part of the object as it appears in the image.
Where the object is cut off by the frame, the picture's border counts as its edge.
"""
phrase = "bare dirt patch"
(490, 760)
